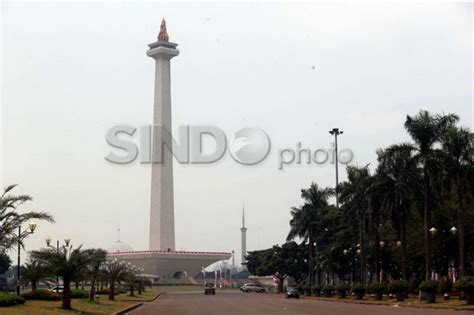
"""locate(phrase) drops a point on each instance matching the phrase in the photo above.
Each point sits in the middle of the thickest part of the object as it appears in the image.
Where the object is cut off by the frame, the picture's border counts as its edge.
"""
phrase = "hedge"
(8, 299)
(41, 295)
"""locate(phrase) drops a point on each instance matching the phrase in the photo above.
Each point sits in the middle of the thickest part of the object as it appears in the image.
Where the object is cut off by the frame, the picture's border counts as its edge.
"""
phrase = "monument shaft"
(162, 235)
(243, 239)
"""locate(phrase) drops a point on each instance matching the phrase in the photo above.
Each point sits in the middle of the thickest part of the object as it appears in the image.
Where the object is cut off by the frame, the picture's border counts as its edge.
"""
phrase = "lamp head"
(32, 226)
(67, 241)
(48, 241)
(453, 230)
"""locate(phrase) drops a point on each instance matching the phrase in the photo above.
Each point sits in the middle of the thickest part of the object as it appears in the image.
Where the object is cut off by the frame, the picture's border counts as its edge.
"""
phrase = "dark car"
(209, 288)
(292, 293)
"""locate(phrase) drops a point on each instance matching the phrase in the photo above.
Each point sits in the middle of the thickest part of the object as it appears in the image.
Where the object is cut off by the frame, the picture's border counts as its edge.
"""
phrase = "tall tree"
(66, 263)
(32, 272)
(426, 131)
(96, 260)
(397, 187)
(115, 271)
(355, 203)
(303, 223)
(459, 165)
(5, 262)
(10, 219)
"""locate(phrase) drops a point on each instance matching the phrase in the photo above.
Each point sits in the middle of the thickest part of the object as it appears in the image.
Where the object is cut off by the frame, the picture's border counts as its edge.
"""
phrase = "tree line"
(411, 218)
(66, 262)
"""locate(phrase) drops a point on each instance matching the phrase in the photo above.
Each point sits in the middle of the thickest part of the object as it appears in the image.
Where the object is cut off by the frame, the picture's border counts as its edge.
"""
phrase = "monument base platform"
(170, 267)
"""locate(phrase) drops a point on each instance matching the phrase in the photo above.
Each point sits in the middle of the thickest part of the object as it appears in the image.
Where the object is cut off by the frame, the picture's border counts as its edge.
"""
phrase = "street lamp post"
(48, 244)
(21, 236)
(336, 132)
(433, 232)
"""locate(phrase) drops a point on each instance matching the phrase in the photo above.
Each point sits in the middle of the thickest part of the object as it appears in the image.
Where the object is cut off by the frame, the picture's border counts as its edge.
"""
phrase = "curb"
(156, 296)
(128, 309)
(135, 306)
(433, 307)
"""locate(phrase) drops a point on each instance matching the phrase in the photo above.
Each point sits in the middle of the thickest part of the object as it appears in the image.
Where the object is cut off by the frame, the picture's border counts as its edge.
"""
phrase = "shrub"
(429, 286)
(358, 288)
(342, 287)
(398, 286)
(414, 285)
(79, 294)
(376, 288)
(7, 299)
(316, 290)
(41, 295)
(385, 287)
(328, 290)
(105, 291)
(466, 284)
(445, 286)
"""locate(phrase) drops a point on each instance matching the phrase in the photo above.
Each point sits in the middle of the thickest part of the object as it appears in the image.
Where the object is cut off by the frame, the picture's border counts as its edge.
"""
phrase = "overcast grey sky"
(72, 71)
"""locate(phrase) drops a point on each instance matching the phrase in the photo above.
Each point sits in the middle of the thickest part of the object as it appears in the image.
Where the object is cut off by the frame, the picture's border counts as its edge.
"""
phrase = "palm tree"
(66, 263)
(396, 183)
(115, 271)
(132, 276)
(96, 259)
(459, 164)
(10, 219)
(304, 219)
(32, 272)
(355, 204)
(426, 131)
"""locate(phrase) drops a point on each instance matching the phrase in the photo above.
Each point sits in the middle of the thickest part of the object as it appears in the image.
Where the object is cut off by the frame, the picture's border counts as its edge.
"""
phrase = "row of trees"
(411, 218)
(86, 266)
(66, 262)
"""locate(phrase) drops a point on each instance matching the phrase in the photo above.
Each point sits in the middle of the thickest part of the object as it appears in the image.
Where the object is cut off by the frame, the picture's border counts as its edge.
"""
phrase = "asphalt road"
(238, 303)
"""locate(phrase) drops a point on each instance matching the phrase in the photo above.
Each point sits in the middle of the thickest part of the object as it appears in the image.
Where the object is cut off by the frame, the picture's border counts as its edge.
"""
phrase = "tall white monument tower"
(243, 239)
(161, 261)
(162, 199)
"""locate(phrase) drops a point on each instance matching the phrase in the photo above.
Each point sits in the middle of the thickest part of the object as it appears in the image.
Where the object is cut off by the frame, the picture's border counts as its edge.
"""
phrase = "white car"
(252, 287)
(58, 289)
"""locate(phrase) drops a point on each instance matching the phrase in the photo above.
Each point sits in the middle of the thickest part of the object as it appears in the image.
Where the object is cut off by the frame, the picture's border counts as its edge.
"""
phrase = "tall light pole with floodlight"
(336, 132)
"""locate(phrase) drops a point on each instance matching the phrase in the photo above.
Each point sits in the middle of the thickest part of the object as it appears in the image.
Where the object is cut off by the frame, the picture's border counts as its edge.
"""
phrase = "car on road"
(209, 288)
(252, 287)
(292, 293)
(58, 289)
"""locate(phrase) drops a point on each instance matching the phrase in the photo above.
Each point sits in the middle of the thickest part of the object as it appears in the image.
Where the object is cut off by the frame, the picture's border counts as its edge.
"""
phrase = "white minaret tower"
(162, 198)
(243, 240)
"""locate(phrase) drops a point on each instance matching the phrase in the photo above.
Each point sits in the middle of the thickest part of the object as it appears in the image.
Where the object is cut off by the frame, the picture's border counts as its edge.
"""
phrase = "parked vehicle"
(209, 288)
(292, 293)
(57, 289)
(252, 287)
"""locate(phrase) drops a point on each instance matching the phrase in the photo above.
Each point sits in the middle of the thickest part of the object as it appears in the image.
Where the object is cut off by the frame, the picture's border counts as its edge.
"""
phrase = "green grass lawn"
(80, 306)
